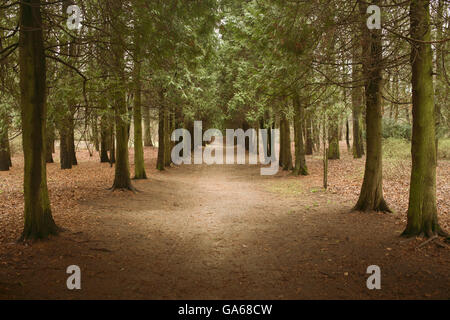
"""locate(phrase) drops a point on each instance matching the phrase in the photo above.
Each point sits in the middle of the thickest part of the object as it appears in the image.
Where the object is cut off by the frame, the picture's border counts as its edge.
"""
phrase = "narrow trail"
(225, 232)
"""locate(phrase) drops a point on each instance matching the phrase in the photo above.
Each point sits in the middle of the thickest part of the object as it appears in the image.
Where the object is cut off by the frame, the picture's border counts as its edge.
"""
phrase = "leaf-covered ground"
(221, 232)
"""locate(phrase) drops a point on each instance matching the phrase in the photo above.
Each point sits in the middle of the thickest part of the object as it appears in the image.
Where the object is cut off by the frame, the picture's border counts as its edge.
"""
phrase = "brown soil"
(215, 232)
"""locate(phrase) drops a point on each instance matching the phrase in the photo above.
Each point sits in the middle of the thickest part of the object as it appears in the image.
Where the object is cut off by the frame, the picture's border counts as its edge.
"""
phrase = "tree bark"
(282, 159)
(50, 142)
(371, 196)
(288, 164)
(161, 150)
(286, 143)
(5, 157)
(347, 135)
(95, 134)
(68, 156)
(4, 148)
(104, 140)
(139, 167)
(357, 102)
(325, 154)
(422, 210)
(316, 134)
(38, 219)
(396, 94)
(64, 144)
(112, 142)
(72, 148)
(266, 143)
(122, 178)
(309, 134)
(300, 160)
(148, 142)
(8, 144)
(441, 87)
(333, 140)
(167, 125)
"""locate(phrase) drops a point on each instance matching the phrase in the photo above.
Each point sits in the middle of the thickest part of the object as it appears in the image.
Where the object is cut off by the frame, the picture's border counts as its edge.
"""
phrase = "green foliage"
(291, 187)
(397, 130)
(396, 149)
(444, 149)
(400, 149)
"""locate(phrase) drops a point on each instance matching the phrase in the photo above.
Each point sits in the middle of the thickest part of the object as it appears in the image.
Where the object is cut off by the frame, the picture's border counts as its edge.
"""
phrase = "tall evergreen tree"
(38, 219)
(422, 210)
(371, 195)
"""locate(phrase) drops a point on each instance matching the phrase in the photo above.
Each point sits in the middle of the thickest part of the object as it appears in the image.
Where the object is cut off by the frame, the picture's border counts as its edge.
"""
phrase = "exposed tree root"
(366, 207)
(431, 233)
(144, 177)
(127, 188)
(34, 235)
(435, 237)
(300, 172)
(426, 242)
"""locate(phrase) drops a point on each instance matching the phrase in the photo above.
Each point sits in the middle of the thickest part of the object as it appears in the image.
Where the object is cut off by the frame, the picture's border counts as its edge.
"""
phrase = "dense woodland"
(137, 67)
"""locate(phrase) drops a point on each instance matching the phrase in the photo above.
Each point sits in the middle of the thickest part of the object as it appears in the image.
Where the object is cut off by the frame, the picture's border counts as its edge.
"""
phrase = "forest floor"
(221, 232)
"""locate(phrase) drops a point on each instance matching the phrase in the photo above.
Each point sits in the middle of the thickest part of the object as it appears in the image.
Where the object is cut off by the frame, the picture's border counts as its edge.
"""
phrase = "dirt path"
(213, 232)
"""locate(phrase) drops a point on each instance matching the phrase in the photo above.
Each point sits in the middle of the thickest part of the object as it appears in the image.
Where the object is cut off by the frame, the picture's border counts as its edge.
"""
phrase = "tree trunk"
(392, 104)
(333, 140)
(38, 219)
(358, 146)
(148, 142)
(5, 153)
(139, 168)
(371, 196)
(316, 134)
(347, 135)
(422, 210)
(4, 148)
(286, 143)
(357, 103)
(167, 153)
(103, 140)
(112, 141)
(50, 142)
(271, 147)
(396, 94)
(282, 159)
(300, 160)
(95, 132)
(309, 134)
(408, 117)
(176, 116)
(64, 144)
(441, 86)
(68, 157)
(288, 164)
(5, 156)
(72, 148)
(161, 150)
(266, 143)
(8, 144)
(122, 178)
(325, 155)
